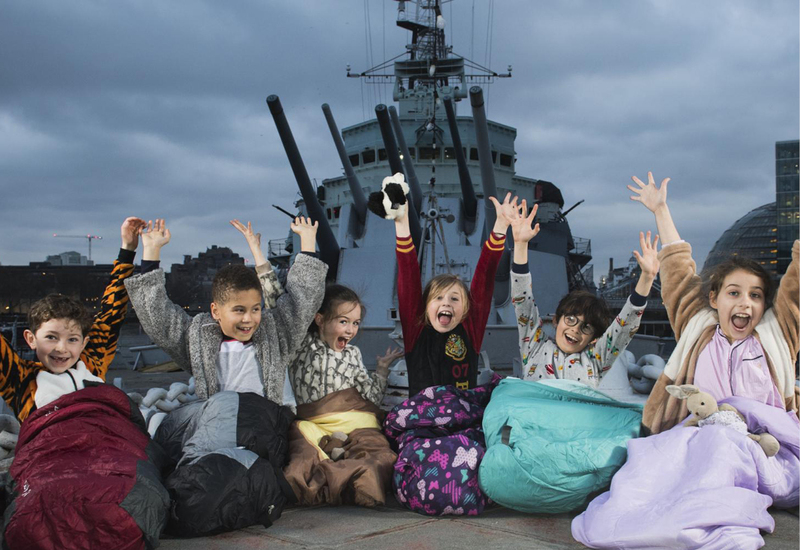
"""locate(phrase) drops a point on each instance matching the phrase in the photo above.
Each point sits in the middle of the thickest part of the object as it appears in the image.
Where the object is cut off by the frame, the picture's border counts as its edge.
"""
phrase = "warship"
(452, 163)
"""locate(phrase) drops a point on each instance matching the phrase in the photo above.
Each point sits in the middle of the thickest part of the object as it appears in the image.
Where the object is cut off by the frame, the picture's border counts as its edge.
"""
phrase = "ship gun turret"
(468, 192)
(502, 286)
(356, 191)
(328, 247)
(390, 145)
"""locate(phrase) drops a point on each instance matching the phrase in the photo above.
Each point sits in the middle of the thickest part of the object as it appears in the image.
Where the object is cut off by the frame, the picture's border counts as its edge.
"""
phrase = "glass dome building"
(754, 236)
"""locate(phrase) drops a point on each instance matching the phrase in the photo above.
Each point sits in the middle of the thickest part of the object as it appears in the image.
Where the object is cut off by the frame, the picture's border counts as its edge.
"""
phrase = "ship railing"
(582, 246)
(277, 248)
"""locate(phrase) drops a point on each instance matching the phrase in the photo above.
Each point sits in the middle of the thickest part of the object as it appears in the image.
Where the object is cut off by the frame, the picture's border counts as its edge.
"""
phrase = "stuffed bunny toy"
(390, 202)
(705, 410)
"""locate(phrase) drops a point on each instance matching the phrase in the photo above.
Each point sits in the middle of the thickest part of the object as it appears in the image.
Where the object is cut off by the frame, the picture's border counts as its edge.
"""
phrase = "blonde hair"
(437, 286)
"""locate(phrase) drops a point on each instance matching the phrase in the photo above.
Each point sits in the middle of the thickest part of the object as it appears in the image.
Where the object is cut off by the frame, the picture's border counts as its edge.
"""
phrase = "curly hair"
(233, 278)
(594, 310)
(58, 306)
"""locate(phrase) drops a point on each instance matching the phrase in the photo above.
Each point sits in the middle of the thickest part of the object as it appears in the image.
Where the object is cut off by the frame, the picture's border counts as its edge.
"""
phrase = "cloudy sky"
(157, 109)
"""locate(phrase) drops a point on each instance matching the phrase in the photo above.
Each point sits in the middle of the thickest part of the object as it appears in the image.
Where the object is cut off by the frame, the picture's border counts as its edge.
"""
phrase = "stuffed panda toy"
(390, 202)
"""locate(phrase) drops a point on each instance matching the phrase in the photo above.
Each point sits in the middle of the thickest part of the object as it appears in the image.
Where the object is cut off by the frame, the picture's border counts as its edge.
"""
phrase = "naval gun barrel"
(359, 200)
(328, 247)
(484, 154)
(389, 143)
(408, 162)
(467, 191)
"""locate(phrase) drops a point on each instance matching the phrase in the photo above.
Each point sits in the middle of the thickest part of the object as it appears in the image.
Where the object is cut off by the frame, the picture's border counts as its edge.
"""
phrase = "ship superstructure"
(452, 164)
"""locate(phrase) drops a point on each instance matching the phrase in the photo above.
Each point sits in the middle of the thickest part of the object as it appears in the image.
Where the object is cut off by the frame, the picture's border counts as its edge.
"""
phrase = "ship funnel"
(484, 155)
(359, 200)
(328, 247)
(389, 143)
(467, 191)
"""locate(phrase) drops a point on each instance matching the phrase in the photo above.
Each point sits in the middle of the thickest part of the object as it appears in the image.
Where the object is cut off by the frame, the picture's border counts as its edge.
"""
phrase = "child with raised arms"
(326, 361)
(443, 325)
(586, 345)
(71, 346)
(734, 339)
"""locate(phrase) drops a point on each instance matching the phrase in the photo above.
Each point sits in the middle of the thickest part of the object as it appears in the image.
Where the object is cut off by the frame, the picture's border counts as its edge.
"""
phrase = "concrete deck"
(392, 527)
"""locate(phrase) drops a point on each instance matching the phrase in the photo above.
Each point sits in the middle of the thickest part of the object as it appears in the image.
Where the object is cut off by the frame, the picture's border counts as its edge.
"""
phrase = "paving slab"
(391, 526)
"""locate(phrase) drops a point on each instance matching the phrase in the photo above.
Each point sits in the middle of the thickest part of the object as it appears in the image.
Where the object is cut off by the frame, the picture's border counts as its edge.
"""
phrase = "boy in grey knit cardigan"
(237, 346)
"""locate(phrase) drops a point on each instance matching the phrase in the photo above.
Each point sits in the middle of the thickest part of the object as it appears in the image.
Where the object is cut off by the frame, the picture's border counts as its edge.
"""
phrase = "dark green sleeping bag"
(551, 444)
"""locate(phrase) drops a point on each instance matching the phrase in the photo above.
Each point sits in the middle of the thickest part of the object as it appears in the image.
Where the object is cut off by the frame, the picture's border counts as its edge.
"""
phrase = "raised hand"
(649, 195)
(648, 259)
(154, 236)
(253, 240)
(384, 361)
(522, 223)
(505, 213)
(130, 230)
(307, 230)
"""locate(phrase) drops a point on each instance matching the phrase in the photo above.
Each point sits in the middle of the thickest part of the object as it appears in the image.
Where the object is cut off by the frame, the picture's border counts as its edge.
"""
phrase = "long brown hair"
(438, 285)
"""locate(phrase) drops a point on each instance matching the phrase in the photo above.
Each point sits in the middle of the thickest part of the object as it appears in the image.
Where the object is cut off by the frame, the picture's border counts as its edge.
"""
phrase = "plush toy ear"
(375, 204)
(682, 392)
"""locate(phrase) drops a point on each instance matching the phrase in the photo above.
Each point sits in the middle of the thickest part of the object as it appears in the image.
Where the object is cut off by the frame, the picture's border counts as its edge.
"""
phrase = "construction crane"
(87, 237)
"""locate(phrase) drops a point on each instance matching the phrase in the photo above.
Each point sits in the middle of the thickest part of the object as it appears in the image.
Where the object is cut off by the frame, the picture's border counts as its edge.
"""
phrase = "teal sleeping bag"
(551, 444)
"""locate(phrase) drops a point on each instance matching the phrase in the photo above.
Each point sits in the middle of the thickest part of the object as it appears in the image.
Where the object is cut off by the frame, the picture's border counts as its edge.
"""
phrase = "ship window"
(382, 154)
(368, 156)
(329, 212)
(464, 150)
(449, 153)
(354, 160)
(336, 210)
(494, 157)
(473, 154)
(412, 152)
(427, 153)
(505, 160)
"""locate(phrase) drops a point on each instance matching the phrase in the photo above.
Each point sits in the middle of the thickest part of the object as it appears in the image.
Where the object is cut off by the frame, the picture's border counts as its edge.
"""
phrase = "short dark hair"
(594, 310)
(336, 295)
(233, 278)
(58, 306)
(715, 276)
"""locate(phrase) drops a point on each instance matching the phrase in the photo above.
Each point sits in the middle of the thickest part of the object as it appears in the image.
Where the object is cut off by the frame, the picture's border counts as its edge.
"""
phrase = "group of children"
(294, 346)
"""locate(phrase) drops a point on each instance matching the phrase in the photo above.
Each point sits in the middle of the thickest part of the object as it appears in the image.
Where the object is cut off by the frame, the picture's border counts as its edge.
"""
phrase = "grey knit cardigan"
(194, 342)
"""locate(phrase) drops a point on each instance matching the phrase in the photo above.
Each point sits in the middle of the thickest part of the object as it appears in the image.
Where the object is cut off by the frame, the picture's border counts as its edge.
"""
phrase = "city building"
(754, 236)
(787, 185)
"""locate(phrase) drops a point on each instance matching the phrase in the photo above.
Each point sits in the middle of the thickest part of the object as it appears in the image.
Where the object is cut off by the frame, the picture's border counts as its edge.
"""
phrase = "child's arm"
(625, 325)
(15, 375)
(529, 323)
(680, 284)
(270, 286)
(305, 288)
(786, 302)
(104, 334)
(409, 283)
(164, 322)
(482, 287)
(373, 388)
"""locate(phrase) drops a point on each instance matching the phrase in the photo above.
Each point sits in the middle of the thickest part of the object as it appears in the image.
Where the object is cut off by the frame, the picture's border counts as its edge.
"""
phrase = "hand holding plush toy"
(705, 410)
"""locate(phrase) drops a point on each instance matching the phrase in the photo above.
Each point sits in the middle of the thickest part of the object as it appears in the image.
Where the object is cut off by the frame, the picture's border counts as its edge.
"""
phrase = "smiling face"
(445, 309)
(240, 315)
(571, 339)
(340, 329)
(740, 304)
(58, 344)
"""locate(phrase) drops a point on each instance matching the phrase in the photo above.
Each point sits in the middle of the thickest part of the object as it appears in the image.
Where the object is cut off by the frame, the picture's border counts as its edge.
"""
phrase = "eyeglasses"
(586, 328)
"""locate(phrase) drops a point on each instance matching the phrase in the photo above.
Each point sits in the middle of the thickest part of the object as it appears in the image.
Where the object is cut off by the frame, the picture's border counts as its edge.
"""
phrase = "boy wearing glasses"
(586, 345)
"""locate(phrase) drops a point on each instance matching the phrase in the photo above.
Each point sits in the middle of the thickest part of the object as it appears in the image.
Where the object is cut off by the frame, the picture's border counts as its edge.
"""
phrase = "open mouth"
(740, 321)
(570, 340)
(245, 330)
(445, 318)
(59, 361)
(341, 342)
